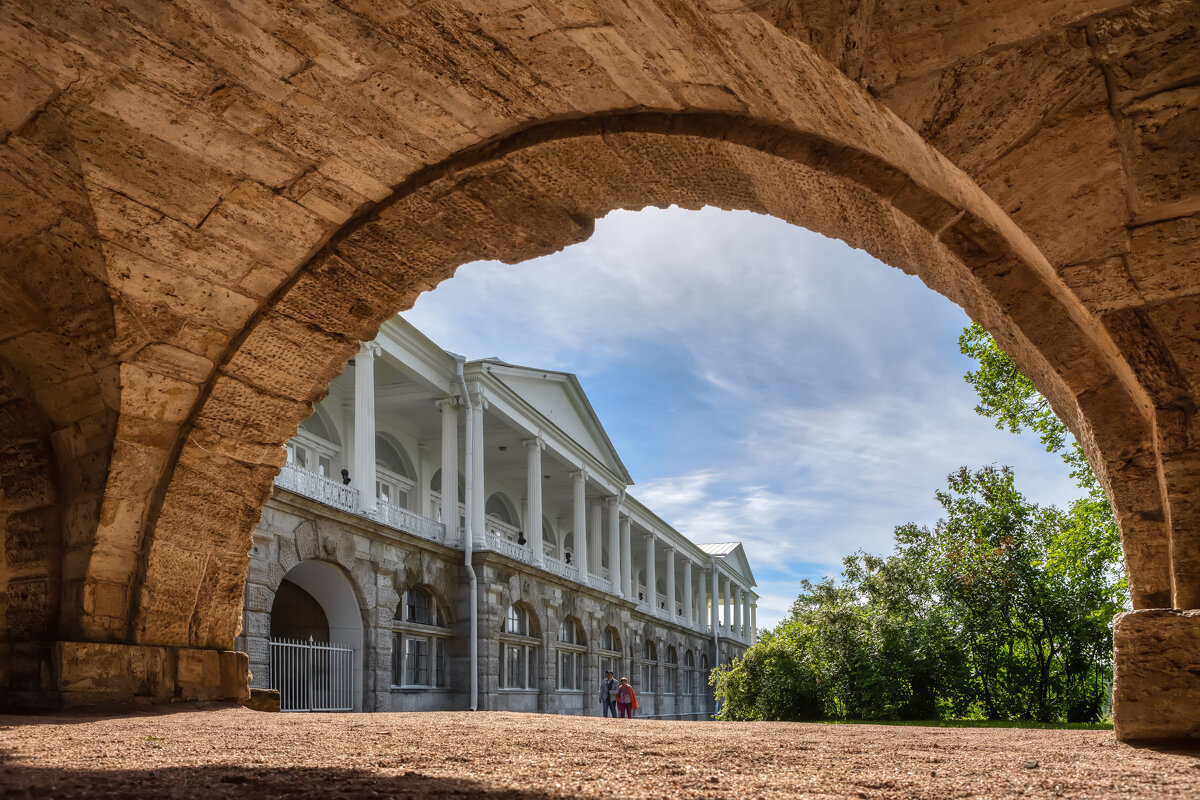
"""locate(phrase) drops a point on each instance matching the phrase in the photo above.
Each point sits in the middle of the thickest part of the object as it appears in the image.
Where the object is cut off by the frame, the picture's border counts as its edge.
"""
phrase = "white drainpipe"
(469, 534)
(711, 617)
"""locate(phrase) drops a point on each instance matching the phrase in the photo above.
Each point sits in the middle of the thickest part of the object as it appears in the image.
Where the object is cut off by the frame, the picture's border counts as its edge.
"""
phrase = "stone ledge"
(262, 700)
(90, 673)
(1156, 684)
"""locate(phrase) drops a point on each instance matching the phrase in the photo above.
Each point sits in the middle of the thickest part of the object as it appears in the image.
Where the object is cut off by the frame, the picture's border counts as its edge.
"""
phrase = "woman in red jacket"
(626, 699)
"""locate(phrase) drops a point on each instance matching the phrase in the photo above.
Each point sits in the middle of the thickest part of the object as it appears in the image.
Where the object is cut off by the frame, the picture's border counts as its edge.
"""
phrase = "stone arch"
(204, 408)
(956, 241)
(436, 596)
(344, 603)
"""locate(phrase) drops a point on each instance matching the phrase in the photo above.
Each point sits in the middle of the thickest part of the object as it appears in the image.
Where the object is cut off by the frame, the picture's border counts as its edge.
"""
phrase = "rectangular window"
(607, 663)
(416, 662)
(396, 660)
(669, 682)
(440, 663)
(324, 468)
(514, 663)
(569, 667)
(648, 678)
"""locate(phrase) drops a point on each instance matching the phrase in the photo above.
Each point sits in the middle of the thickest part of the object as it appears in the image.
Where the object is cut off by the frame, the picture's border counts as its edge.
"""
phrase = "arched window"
(660, 589)
(518, 667)
(689, 668)
(641, 579)
(393, 473)
(703, 679)
(419, 639)
(572, 649)
(549, 539)
(499, 509)
(670, 675)
(315, 446)
(610, 650)
(649, 665)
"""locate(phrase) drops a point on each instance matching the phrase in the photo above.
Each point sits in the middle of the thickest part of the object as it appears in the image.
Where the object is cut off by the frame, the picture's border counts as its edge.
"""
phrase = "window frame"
(527, 644)
(649, 662)
(435, 635)
(571, 650)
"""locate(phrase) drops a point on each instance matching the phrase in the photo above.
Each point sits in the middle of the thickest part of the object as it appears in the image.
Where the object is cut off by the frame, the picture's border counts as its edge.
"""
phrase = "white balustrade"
(598, 582)
(568, 571)
(318, 487)
(500, 544)
(402, 519)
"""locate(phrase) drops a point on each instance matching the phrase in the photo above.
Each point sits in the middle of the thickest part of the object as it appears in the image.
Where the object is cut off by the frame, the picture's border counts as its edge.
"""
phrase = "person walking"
(608, 694)
(626, 699)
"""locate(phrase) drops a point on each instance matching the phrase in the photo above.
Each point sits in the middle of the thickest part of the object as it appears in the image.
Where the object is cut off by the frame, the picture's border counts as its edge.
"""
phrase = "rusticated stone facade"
(380, 563)
(206, 206)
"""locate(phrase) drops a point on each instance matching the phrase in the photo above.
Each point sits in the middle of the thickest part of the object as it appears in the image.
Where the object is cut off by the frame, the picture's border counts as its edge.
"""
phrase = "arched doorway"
(317, 640)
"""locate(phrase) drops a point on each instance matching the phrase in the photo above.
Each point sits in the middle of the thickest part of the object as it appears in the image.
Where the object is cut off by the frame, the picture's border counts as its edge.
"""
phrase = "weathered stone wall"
(206, 207)
(382, 565)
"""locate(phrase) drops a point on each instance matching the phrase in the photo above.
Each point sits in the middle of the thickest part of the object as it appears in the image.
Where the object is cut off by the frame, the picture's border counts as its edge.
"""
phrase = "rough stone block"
(199, 675)
(262, 700)
(1156, 688)
(235, 675)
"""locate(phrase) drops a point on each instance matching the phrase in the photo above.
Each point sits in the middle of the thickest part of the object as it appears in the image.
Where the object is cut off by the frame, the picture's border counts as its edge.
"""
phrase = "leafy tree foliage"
(1002, 610)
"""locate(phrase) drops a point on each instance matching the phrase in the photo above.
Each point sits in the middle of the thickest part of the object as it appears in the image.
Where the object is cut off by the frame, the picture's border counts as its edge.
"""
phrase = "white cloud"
(815, 397)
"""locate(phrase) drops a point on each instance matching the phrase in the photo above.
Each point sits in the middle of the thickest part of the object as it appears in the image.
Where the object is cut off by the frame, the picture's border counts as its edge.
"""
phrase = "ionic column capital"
(448, 403)
(536, 442)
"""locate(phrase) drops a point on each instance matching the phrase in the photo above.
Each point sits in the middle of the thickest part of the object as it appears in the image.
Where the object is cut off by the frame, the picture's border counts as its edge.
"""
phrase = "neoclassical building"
(377, 583)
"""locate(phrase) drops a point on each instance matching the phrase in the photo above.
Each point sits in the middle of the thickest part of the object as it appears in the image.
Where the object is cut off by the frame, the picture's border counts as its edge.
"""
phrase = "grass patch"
(980, 723)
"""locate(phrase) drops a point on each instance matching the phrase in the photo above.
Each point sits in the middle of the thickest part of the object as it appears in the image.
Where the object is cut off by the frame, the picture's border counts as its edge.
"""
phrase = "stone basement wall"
(380, 564)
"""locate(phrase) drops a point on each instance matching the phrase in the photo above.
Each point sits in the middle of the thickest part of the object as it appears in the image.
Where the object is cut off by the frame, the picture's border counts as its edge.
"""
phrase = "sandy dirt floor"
(233, 752)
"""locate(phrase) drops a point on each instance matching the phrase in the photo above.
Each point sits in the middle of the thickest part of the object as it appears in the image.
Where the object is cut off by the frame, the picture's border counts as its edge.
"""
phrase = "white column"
(561, 536)
(449, 408)
(745, 616)
(669, 552)
(737, 610)
(688, 612)
(364, 425)
(533, 491)
(596, 536)
(626, 560)
(728, 619)
(712, 602)
(579, 486)
(480, 499)
(616, 569)
(651, 578)
(753, 622)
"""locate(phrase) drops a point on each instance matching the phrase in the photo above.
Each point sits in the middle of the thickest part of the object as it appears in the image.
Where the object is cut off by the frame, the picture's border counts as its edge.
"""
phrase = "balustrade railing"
(568, 571)
(498, 537)
(318, 487)
(500, 544)
(599, 582)
(402, 519)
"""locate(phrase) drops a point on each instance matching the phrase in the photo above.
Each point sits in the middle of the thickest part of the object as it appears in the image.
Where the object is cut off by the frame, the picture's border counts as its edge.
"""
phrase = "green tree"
(1002, 609)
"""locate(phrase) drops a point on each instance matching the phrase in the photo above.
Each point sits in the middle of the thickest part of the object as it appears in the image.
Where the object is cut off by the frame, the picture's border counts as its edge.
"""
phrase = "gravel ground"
(219, 752)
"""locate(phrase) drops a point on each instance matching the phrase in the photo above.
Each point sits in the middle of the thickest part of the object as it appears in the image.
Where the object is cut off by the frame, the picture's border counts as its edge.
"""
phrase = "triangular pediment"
(558, 397)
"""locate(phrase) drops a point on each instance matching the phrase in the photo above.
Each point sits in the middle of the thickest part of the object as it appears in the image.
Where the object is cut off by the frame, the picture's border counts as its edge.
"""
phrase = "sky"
(762, 383)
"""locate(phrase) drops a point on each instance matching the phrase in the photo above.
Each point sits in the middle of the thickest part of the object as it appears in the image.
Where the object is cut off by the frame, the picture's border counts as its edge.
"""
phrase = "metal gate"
(312, 676)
